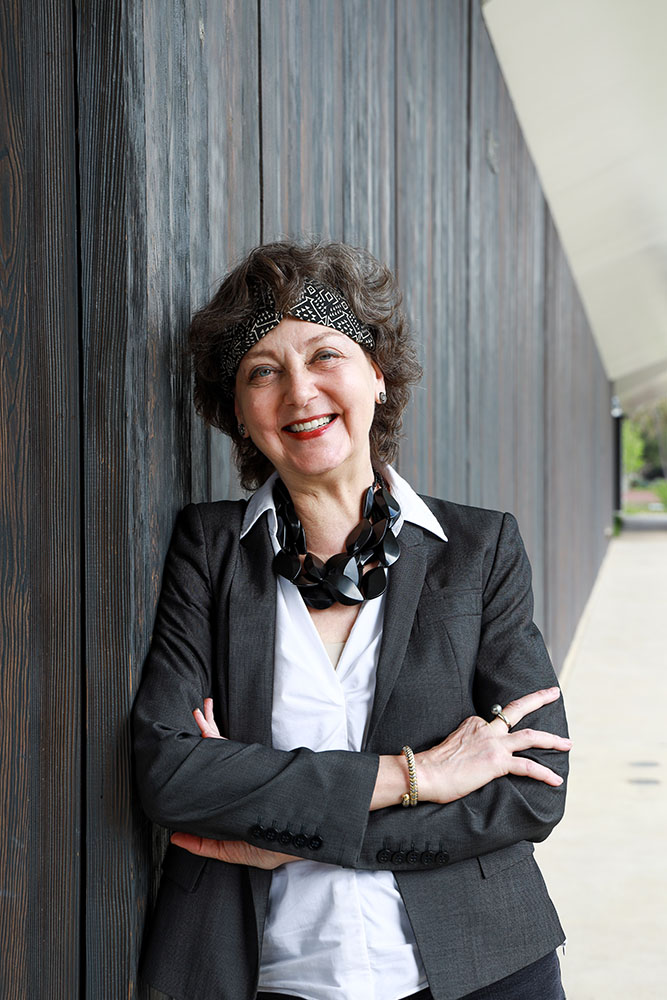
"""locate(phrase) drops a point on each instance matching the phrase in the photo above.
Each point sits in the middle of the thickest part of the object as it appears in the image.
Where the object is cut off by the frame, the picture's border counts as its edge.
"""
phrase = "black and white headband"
(317, 303)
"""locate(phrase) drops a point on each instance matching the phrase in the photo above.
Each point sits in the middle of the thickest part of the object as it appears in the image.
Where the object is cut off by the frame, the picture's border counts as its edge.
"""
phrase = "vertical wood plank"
(109, 439)
(431, 146)
(328, 121)
(578, 435)
(39, 503)
(368, 112)
(302, 120)
(232, 163)
(506, 262)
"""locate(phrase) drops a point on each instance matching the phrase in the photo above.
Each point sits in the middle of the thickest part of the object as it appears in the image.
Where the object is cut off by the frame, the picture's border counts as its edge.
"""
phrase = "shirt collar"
(413, 508)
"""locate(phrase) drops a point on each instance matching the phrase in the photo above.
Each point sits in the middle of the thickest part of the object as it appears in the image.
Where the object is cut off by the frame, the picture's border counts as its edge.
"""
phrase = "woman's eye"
(326, 355)
(261, 372)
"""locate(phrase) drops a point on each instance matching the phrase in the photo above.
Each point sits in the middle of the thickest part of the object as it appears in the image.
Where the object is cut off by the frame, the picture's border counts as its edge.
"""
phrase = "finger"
(188, 841)
(516, 710)
(525, 739)
(201, 722)
(526, 768)
(208, 711)
(204, 847)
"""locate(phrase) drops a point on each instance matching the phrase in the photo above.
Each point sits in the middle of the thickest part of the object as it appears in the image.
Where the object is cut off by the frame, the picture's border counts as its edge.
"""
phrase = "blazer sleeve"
(512, 661)
(223, 788)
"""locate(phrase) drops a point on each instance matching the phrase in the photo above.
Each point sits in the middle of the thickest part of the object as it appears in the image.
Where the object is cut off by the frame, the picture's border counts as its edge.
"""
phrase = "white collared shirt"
(333, 933)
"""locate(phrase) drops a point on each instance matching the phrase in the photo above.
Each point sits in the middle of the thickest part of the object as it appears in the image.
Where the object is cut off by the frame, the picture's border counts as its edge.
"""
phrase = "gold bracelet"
(411, 798)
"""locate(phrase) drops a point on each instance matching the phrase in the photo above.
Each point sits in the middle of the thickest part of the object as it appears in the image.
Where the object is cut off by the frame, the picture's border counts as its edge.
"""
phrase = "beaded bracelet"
(411, 798)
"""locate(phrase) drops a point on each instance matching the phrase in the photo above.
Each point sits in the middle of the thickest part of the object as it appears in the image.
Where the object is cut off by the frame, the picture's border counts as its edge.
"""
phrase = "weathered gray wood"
(40, 609)
(431, 141)
(578, 434)
(302, 122)
(232, 165)
(368, 144)
(328, 122)
(492, 281)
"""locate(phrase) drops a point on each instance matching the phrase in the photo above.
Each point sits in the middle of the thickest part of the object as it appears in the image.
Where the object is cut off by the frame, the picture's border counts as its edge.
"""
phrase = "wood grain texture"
(328, 145)
(40, 608)
(578, 453)
(231, 163)
(302, 118)
(431, 146)
(112, 419)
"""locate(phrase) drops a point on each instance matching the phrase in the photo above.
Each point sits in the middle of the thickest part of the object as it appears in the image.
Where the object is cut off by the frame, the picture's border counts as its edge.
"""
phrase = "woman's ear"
(379, 379)
(240, 426)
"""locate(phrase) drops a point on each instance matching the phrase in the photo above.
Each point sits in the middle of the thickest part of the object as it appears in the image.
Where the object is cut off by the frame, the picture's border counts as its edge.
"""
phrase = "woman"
(355, 649)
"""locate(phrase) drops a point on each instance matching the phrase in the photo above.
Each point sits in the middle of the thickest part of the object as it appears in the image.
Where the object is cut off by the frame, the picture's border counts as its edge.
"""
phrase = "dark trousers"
(540, 980)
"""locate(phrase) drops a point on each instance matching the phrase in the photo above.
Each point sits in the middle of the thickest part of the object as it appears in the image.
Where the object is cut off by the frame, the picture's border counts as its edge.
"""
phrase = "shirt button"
(412, 857)
(271, 833)
(442, 858)
(398, 858)
(257, 831)
(285, 837)
(384, 856)
(300, 840)
(428, 857)
(315, 843)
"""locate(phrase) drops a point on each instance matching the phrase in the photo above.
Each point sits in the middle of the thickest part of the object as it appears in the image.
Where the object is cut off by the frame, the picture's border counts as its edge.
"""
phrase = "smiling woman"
(324, 655)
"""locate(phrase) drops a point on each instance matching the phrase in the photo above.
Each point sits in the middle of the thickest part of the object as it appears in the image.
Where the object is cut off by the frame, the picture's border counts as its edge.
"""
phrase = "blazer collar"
(406, 579)
(252, 618)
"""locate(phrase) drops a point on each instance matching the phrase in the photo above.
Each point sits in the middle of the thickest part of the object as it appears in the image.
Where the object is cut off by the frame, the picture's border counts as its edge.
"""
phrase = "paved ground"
(606, 864)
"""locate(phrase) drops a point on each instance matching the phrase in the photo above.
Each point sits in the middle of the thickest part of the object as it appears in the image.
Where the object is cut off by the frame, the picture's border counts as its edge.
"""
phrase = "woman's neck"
(329, 508)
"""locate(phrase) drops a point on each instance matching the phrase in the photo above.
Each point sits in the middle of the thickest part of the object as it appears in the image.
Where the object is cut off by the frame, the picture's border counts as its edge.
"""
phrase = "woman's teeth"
(310, 425)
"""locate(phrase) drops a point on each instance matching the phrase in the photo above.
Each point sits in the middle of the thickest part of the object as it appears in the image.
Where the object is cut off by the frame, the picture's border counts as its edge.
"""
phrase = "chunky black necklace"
(341, 578)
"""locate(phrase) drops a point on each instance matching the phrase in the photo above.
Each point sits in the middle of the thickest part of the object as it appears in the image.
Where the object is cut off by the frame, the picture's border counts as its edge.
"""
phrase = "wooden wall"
(144, 146)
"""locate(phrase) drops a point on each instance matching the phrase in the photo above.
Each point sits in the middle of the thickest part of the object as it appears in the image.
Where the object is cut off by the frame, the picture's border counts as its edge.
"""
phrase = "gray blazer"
(458, 637)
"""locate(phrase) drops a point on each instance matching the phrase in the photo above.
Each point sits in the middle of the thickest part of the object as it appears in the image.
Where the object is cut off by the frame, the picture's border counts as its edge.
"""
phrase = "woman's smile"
(313, 427)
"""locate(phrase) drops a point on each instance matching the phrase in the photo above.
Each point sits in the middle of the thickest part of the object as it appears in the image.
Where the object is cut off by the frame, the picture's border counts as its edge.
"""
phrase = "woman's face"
(306, 395)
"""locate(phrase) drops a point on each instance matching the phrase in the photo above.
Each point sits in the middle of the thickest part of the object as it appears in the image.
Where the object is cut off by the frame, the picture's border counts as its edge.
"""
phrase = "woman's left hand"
(234, 852)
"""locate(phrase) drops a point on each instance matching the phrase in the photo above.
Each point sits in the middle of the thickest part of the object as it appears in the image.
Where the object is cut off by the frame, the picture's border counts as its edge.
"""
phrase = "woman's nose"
(300, 388)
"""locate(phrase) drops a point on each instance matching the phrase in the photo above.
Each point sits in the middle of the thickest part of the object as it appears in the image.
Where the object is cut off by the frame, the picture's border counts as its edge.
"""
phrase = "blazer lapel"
(252, 621)
(406, 579)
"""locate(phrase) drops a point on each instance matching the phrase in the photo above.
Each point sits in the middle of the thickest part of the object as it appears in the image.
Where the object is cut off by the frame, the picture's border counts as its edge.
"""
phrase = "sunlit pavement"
(606, 864)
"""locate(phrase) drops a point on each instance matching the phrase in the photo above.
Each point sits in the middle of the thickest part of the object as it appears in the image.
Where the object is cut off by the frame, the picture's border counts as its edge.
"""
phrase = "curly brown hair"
(370, 290)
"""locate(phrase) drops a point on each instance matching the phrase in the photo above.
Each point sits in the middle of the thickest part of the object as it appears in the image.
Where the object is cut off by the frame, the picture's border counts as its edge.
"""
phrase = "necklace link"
(341, 578)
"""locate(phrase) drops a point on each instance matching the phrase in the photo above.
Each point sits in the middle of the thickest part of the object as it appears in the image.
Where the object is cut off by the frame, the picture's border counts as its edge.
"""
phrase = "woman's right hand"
(473, 755)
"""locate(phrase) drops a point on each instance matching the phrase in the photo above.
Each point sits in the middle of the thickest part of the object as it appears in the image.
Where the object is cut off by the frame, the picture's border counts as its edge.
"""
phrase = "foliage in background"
(633, 449)
(659, 487)
(650, 421)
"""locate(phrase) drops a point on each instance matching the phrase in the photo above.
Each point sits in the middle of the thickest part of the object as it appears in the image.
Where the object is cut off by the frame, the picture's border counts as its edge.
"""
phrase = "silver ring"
(497, 710)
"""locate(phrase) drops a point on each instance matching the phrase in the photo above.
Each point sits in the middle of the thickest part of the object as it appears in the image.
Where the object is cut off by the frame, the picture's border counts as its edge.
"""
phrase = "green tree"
(633, 448)
(651, 422)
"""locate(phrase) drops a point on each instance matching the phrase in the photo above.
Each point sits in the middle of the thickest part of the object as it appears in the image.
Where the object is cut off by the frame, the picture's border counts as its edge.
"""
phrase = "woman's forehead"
(296, 334)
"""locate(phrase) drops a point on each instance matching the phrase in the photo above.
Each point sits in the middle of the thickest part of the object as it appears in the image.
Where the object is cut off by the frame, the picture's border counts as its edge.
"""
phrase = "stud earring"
(382, 397)
(241, 430)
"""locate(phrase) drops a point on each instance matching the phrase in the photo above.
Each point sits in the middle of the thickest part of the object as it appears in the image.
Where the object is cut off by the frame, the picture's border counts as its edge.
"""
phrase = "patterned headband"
(317, 303)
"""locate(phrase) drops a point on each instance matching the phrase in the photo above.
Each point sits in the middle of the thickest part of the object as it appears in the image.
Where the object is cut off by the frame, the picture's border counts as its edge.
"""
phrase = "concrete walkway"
(606, 864)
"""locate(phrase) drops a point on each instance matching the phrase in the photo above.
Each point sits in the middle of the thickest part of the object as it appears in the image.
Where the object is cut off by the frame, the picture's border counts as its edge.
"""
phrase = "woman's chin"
(317, 463)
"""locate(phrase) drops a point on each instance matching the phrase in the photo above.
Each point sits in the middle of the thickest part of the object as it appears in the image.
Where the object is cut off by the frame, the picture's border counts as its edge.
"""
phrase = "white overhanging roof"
(588, 79)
